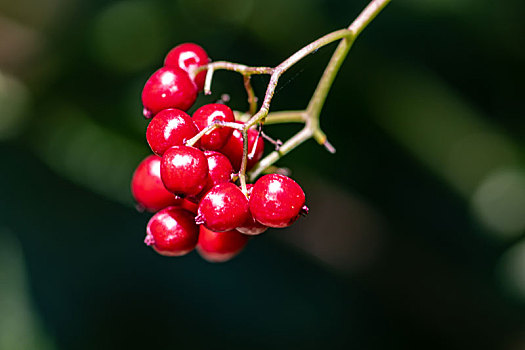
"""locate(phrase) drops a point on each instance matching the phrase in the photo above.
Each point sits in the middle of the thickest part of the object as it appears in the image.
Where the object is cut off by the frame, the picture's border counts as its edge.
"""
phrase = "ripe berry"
(147, 187)
(189, 56)
(184, 170)
(276, 200)
(223, 208)
(206, 115)
(251, 226)
(168, 88)
(220, 246)
(172, 232)
(170, 127)
(220, 170)
(233, 149)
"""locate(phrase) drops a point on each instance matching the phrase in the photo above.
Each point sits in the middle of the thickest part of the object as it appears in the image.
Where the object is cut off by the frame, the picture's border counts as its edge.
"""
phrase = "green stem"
(285, 117)
(244, 162)
(252, 100)
(313, 111)
(327, 79)
(310, 116)
(236, 67)
(210, 127)
(286, 64)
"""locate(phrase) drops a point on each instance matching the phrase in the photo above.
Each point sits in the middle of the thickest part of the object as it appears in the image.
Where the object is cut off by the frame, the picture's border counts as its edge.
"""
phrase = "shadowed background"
(415, 237)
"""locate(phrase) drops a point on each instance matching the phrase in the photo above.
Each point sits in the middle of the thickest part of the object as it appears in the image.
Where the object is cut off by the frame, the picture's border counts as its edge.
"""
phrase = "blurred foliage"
(416, 232)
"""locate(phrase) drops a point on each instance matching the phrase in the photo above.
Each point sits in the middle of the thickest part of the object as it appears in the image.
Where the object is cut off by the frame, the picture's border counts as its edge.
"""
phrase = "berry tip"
(304, 210)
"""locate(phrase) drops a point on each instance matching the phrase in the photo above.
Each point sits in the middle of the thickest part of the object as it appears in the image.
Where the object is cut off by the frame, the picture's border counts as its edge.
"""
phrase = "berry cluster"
(189, 181)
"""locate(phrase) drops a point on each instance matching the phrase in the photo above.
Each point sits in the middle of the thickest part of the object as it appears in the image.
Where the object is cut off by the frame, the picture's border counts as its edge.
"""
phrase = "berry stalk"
(216, 124)
(310, 116)
(313, 111)
(252, 99)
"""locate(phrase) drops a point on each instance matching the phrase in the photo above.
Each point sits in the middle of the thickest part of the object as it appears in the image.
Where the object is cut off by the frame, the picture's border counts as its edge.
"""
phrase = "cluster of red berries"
(191, 190)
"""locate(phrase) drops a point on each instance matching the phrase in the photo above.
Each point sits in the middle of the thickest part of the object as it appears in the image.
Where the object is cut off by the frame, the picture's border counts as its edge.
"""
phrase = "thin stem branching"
(309, 116)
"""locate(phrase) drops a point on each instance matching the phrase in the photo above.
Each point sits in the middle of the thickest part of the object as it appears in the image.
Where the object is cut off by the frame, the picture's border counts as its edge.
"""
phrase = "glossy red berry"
(251, 226)
(184, 170)
(234, 147)
(172, 232)
(209, 113)
(147, 187)
(220, 170)
(276, 200)
(223, 208)
(189, 56)
(220, 246)
(170, 127)
(168, 88)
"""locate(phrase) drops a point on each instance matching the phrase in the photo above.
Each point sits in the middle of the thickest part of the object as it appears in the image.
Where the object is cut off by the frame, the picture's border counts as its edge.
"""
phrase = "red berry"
(223, 208)
(233, 148)
(147, 187)
(170, 127)
(184, 170)
(220, 246)
(209, 113)
(189, 56)
(172, 232)
(276, 200)
(251, 226)
(168, 88)
(220, 170)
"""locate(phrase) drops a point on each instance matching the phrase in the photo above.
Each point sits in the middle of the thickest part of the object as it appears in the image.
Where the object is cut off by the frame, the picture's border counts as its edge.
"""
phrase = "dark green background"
(416, 233)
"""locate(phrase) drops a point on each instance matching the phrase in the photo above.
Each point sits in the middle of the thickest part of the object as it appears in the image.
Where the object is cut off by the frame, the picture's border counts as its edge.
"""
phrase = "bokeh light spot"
(20, 323)
(89, 154)
(499, 202)
(475, 155)
(512, 271)
(13, 103)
